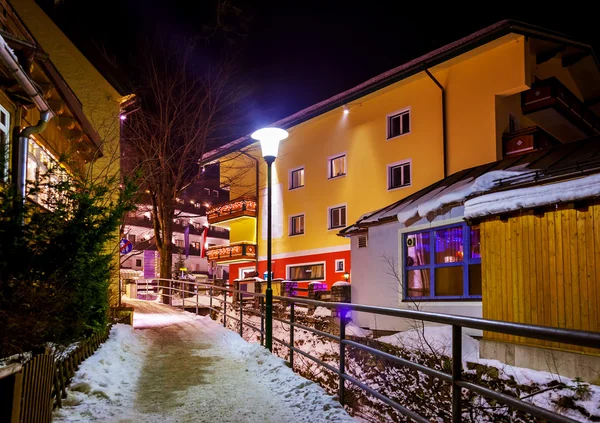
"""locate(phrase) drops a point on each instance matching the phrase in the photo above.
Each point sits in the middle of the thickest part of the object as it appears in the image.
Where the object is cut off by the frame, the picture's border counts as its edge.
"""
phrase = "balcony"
(235, 253)
(556, 109)
(526, 140)
(240, 209)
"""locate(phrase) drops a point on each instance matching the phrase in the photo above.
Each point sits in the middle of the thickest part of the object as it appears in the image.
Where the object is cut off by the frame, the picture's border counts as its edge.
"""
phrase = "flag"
(204, 243)
(186, 241)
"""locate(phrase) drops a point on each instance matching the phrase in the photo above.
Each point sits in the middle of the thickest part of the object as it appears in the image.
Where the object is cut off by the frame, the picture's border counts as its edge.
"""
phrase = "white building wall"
(374, 283)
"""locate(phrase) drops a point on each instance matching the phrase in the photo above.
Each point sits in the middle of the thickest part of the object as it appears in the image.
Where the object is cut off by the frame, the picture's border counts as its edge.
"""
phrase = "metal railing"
(573, 337)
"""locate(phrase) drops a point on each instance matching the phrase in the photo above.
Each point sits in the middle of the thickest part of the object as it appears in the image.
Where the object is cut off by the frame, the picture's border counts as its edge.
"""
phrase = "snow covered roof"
(401, 72)
(566, 161)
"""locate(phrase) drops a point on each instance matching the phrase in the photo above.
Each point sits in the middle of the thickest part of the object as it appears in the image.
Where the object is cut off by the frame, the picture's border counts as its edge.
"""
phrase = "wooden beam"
(66, 122)
(574, 58)
(548, 54)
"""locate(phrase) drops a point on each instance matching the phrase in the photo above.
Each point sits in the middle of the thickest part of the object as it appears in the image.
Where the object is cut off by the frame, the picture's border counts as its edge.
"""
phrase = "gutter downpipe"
(444, 133)
(12, 63)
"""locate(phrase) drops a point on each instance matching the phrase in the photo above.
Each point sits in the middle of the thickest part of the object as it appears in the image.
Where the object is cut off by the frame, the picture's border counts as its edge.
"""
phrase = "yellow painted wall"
(543, 270)
(99, 99)
(472, 81)
(243, 230)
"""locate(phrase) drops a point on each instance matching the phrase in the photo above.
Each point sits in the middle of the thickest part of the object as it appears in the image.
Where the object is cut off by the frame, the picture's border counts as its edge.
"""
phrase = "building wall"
(472, 83)
(100, 101)
(544, 270)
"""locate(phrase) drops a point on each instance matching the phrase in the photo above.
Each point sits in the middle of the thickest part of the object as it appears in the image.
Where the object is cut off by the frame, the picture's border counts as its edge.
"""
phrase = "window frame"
(330, 160)
(289, 266)
(389, 174)
(291, 224)
(291, 186)
(466, 262)
(388, 118)
(329, 219)
(5, 161)
(343, 261)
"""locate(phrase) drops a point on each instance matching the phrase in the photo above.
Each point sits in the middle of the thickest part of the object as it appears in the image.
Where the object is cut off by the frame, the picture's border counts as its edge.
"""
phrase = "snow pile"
(104, 385)
(454, 194)
(322, 312)
(354, 330)
(341, 283)
(436, 338)
(524, 198)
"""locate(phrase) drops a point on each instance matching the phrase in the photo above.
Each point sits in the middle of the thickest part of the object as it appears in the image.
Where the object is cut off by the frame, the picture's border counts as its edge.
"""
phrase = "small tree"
(55, 270)
(185, 109)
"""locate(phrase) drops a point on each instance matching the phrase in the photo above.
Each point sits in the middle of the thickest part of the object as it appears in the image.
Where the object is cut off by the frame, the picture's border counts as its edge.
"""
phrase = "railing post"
(241, 316)
(292, 335)
(456, 373)
(224, 307)
(170, 292)
(262, 321)
(182, 293)
(210, 293)
(342, 354)
(197, 294)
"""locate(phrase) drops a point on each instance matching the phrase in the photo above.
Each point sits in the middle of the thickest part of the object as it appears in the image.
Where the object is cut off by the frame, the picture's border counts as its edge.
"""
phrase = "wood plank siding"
(543, 269)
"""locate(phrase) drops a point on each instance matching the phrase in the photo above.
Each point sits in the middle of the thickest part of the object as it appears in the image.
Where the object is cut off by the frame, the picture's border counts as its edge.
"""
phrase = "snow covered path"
(184, 368)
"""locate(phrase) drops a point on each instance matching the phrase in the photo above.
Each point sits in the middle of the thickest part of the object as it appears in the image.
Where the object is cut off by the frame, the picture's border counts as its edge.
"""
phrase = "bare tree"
(186, 108)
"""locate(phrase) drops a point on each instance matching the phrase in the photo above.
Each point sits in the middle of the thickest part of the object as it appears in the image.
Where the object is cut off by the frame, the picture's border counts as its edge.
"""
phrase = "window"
(43, 168)
(398, 123)
(131, 238)
(340, 265)
(138, 262)
(337, 217)
(443, 262)
(297, 225)
(215, 193)
(362, 241)
(4, 144)
(207, 192)
(297, 178)
(179, 242)
(399, 175)
(337, 166)
(306, 272)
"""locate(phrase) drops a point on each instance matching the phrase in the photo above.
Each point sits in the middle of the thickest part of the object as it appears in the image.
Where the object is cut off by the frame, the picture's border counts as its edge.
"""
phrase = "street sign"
(125, 246)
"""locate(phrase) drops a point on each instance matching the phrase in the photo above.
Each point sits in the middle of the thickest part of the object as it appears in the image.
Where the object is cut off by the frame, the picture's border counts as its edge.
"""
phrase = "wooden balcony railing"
(551, 94)
(238, 252)
(231, 210)
(527, 140)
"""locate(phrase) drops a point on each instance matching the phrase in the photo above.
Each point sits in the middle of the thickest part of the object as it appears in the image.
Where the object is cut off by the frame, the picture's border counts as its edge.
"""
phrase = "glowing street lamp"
(269, 142)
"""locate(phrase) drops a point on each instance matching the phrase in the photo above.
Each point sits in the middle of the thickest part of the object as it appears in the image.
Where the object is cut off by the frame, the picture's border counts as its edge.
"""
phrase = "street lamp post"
(269, 142)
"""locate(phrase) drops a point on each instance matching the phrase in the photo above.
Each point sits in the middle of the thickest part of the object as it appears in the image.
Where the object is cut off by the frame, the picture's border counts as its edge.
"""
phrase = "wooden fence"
(38, 386)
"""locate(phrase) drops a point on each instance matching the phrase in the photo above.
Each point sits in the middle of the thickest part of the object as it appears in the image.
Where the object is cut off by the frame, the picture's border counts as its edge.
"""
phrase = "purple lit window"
(436, 266)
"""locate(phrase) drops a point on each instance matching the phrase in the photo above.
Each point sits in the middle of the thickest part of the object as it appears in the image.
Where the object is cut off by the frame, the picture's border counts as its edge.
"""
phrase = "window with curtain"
(306, 272)
(4, 144)
(443, 263)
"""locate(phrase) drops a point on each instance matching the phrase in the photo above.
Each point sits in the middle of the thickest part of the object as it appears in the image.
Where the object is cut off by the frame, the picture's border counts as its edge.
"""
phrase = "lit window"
(297, 225)
(306, 272)
(179, 242)
(337, 166)
(44, 170)
(436, 265)
(398, 124)
(337, 217)
(4, 144)
(297, 178)
(399, 175)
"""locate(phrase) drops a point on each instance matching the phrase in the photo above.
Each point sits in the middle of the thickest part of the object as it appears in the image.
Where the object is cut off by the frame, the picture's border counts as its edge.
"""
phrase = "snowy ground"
(177, 367)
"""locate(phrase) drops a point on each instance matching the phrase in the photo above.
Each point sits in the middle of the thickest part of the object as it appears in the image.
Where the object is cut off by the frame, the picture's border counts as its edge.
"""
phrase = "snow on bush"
(322, 312)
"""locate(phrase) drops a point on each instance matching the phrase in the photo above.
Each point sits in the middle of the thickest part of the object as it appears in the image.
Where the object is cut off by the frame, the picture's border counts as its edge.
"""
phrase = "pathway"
(193, 370)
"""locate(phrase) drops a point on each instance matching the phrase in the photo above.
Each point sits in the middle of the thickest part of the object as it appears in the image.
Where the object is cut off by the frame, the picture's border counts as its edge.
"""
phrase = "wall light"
(346, 110)
(346, 276)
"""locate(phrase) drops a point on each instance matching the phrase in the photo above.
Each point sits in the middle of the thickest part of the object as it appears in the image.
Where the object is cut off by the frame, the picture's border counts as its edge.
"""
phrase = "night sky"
(295, 53)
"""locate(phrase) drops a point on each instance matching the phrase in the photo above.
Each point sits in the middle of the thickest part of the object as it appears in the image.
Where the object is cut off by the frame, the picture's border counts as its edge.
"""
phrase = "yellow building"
(73, 108)
(457, 107)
